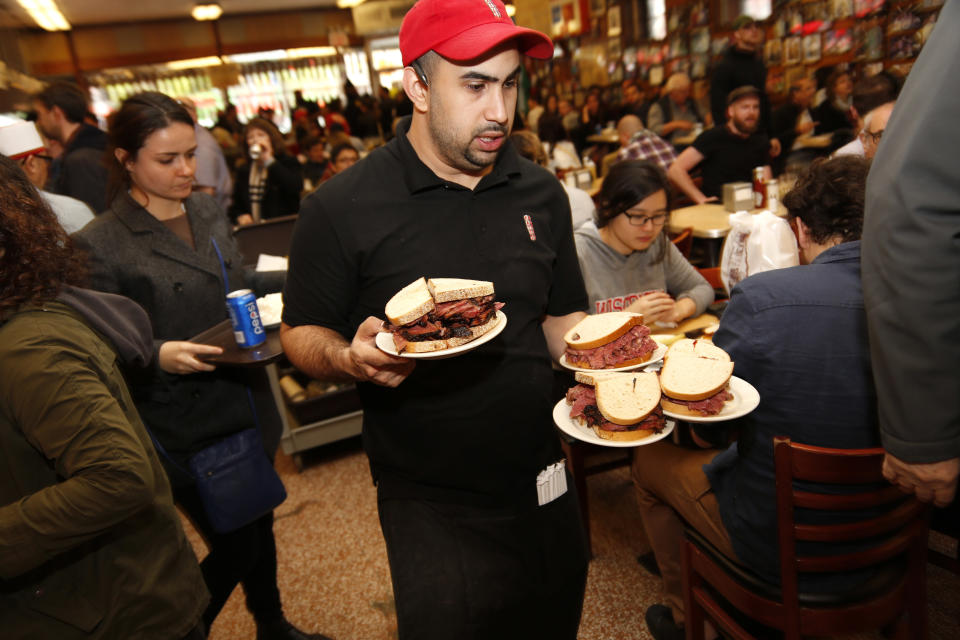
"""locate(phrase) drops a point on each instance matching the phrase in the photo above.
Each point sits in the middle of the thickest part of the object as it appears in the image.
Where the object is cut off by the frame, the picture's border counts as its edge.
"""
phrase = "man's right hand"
(370, 364)
(702, 199)
(934, 482)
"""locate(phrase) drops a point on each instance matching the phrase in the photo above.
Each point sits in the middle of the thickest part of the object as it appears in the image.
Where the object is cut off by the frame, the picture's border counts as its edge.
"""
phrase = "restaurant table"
(221, 335)
(710, 221)
(607, 136)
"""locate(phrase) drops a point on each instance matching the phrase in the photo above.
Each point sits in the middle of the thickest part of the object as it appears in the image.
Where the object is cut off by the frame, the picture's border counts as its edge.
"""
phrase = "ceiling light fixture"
(46, 14)
(346, 4)
(206, 11)
(511, 9)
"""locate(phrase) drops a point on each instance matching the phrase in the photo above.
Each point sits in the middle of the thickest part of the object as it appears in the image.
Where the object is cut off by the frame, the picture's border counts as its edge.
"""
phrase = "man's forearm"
(317, 351)
(555, 327)
(682, 179)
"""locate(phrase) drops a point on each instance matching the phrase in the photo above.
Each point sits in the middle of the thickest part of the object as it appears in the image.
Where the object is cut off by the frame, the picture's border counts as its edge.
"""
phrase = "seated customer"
(626, 254)
(793, 123)
(726, 153)
(799, 336)
(529, 146)
(638, 143)
(343, 156)
(269, 186)
(675, 114)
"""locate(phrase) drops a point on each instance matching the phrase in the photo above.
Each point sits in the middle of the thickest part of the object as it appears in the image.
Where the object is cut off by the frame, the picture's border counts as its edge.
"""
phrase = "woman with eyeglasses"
(628, 262)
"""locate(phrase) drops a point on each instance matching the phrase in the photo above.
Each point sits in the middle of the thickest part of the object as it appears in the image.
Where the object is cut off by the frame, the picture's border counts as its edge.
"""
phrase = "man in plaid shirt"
(640, 143)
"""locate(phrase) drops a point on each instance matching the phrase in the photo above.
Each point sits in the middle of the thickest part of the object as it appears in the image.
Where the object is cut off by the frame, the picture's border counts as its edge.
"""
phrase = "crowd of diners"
(117, 246)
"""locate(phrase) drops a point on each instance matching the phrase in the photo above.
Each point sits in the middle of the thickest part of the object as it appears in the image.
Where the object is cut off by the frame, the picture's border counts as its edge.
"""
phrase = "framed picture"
(862, 8)
(873, 42)
(678, 45)
(699, 15)
(698, 65)
(813, 12)
(793, 50)
(597, 7)
(872, 68)
(679, 65)
(811, 48)
(718, 45)
(775, 82)
(840, 9)
(655, 75)
(613, 21)
(773, 52)
(700, 40)
(837, 42)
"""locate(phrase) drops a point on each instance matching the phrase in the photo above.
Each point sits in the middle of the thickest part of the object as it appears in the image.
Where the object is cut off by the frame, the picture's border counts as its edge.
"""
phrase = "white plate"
(561, 416)
(385, 343)
(655, 358)
(745, 400)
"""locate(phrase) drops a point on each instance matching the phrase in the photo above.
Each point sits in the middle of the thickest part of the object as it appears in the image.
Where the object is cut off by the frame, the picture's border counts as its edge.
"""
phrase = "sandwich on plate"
(617, 406)
(695, 379)
(608, 341)
(440, 313)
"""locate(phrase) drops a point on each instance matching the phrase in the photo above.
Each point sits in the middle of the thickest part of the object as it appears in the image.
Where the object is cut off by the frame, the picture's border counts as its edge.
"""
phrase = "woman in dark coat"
(269, 185)
(158, 244)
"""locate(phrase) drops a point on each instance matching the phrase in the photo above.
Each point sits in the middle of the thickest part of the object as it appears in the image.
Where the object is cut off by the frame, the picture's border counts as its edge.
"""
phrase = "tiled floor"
(334, 576)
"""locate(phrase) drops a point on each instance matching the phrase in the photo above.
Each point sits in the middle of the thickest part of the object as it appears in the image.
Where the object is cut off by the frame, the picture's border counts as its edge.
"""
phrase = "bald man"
(638, 143)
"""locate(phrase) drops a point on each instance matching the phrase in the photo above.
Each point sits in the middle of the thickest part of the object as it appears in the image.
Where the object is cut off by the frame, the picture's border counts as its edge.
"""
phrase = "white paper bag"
(756, 243)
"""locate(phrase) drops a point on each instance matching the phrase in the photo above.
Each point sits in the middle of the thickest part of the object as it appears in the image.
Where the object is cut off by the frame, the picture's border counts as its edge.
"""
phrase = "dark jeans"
(471, 572)
(247, 556)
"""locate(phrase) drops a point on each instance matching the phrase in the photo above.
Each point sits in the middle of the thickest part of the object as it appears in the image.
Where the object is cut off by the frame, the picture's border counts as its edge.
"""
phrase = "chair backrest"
(271, 236)
(684, 241)
(712, 276)
(857, 477)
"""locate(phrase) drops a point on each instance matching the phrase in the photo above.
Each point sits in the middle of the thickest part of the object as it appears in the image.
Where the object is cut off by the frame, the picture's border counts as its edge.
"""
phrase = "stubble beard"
(744, 128)
(455, 152)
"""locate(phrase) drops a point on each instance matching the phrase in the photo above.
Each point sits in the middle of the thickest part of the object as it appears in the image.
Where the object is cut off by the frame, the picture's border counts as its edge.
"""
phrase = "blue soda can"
(245, 316)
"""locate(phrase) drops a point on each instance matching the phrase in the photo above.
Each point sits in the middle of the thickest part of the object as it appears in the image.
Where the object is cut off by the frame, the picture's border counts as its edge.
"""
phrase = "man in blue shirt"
(799, 336)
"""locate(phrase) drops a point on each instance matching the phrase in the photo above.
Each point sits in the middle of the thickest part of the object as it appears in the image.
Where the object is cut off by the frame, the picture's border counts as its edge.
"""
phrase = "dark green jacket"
(90, 543)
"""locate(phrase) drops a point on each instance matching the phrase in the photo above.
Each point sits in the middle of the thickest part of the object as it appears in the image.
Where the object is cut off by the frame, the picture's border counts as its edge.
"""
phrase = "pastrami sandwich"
(440, 313)
(609, 340)
(695, 379)
(617, 406)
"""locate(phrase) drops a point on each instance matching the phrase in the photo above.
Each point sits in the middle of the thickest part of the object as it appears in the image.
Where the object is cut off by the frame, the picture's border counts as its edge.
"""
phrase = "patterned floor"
(334, 576)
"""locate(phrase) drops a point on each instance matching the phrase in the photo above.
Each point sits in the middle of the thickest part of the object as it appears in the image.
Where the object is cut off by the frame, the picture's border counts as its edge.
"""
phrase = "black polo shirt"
(477, 425)
(729, 158)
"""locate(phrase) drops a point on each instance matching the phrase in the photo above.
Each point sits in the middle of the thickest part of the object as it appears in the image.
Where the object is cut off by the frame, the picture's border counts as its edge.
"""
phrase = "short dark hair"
(875, 90)
(66, 95)
(310, 142)
(37, 257)
(833, 79)
(340, 148)
(627, 183)
(829, 198)
(139, 116)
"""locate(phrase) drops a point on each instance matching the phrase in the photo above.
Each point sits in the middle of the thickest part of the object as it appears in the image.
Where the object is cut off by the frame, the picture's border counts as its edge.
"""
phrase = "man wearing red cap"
(456, 445)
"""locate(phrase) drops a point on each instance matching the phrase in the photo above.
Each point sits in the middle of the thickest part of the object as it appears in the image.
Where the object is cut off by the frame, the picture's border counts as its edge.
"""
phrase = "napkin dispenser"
(737, 196)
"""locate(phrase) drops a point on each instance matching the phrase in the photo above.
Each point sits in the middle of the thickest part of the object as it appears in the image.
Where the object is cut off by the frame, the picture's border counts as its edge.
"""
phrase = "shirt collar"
(419, 177)
(843, 252)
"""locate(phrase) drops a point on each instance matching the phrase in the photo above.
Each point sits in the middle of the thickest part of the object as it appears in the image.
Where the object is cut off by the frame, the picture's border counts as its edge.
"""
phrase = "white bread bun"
(591, 378)
(600, 329)
(686, 377)
(700, 348)
(623, 436)
(409, 303)
(449, 289)
(627, 398)
(448, 343)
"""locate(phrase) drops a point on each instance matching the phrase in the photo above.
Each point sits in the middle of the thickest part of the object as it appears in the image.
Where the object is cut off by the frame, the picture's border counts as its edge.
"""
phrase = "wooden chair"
(899, 534)
(683, 241)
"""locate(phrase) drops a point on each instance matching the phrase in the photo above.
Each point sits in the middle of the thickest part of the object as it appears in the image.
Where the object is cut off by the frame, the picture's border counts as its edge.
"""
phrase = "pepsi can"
(245, 316)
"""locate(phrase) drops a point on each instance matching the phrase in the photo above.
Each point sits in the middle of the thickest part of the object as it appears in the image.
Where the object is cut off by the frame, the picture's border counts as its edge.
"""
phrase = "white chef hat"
(20, 139)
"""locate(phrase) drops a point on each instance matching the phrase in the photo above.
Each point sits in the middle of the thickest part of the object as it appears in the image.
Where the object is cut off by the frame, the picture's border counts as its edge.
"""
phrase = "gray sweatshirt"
(614, 280)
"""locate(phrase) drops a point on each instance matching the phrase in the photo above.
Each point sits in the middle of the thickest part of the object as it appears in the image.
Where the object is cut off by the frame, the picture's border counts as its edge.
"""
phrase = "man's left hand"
(934, 482)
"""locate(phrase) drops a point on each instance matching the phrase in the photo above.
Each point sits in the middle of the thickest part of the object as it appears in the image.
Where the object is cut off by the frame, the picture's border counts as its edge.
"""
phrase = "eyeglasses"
(872, 137)
(638, 220)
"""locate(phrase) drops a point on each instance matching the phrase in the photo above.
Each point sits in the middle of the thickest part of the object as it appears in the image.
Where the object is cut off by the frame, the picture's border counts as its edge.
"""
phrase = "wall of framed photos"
(865, 36)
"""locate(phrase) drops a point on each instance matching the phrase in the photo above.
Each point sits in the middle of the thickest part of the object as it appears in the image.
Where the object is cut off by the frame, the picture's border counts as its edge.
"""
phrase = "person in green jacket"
(91, 545)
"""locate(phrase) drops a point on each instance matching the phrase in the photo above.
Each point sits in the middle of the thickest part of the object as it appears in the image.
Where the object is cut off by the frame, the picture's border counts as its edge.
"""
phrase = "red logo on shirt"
(618, 303)
(527, 220)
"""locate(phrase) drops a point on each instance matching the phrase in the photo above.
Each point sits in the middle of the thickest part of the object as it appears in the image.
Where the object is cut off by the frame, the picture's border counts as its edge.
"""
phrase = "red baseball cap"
(461, 30)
